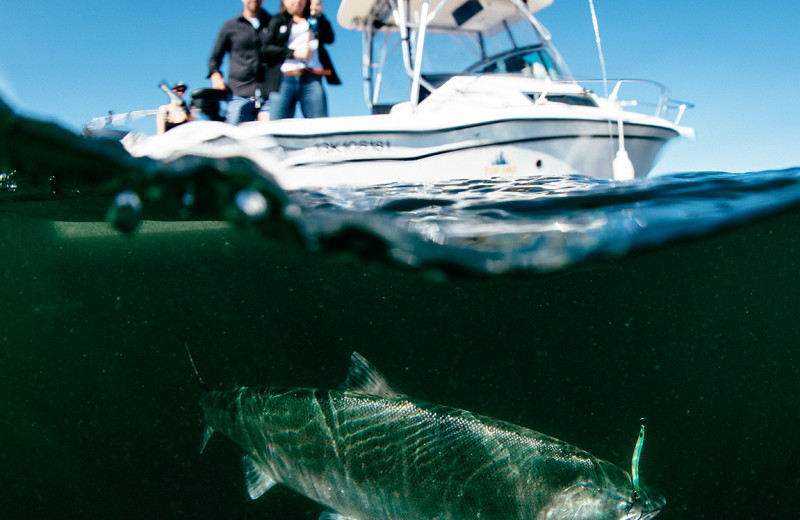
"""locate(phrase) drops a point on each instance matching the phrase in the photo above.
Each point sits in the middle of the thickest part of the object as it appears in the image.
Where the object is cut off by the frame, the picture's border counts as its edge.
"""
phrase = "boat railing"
(662, 107)
(99, 125)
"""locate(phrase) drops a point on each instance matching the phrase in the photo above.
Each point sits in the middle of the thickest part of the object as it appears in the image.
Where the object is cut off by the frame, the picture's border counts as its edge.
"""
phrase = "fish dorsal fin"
(363, 378)
(208, 431)
(328, 515)
(257, 479)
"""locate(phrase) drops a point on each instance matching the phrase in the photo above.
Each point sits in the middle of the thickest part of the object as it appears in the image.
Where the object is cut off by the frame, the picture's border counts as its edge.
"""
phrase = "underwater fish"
(368, 452)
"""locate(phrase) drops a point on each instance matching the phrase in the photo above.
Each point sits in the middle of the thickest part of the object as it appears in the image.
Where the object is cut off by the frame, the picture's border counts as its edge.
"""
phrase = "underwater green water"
(99, 407)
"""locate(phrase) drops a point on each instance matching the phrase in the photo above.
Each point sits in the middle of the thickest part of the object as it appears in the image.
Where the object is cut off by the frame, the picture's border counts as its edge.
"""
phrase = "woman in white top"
(296, 36)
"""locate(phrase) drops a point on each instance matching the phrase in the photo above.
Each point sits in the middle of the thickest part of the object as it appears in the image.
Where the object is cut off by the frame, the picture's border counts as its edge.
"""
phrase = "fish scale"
(369, 452)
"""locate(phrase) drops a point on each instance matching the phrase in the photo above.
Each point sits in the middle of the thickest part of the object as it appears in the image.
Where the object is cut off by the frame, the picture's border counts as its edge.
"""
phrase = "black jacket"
(248, 69)
(275, 49)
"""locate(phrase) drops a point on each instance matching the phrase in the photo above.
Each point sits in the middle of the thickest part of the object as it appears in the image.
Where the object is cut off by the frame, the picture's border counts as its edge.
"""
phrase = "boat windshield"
(515, 48)
(528, 61)
(455, 52)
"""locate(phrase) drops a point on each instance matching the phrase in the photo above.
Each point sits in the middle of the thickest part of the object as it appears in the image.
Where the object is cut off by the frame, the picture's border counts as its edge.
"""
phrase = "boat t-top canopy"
(483, 16)
(477, 20)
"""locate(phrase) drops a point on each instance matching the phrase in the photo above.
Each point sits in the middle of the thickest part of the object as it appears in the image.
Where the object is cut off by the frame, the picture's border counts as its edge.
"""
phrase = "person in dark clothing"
(250, 78)
(295, 38)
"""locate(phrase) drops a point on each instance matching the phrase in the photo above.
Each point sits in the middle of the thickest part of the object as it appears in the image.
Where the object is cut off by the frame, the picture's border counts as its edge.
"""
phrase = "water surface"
(567, 305)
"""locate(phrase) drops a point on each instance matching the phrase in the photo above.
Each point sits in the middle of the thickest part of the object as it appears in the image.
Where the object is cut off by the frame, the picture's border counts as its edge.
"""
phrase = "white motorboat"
(500, 101)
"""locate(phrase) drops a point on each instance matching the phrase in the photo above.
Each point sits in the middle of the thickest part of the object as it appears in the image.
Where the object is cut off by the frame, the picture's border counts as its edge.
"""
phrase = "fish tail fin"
(208, 431)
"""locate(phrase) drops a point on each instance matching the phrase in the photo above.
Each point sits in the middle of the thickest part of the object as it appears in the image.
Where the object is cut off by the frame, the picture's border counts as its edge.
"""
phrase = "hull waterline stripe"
(474, 147)
(468, 126)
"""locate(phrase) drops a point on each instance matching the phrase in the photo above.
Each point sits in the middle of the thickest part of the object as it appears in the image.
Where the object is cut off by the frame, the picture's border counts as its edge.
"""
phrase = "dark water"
(569, 306)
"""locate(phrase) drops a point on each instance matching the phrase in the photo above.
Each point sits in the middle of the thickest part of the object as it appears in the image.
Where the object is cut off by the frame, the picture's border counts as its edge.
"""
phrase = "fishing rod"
(98, 123)
(175, 97)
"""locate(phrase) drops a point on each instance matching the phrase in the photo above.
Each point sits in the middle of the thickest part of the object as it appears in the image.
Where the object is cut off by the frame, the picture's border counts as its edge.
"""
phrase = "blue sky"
(736, 60)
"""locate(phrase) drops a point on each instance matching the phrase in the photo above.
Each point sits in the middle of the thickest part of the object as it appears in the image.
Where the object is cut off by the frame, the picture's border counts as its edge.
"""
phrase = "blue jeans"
(243, 109)
(305, 89)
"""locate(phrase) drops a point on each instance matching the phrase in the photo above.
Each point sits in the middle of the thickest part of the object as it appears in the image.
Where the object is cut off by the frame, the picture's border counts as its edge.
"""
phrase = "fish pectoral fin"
(363, 378)
(330, 515)
(257, 479)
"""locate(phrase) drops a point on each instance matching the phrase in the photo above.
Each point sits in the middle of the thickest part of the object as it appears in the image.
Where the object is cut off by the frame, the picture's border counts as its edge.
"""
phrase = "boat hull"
(480, 150)
(369, 150)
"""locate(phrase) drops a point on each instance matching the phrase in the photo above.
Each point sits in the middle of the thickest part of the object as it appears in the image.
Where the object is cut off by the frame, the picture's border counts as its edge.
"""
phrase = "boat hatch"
(583, 100)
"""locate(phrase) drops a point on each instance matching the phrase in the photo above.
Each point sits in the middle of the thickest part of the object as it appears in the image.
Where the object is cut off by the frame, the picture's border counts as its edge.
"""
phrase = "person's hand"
(315, 7)
(218, 82)
(302, 53)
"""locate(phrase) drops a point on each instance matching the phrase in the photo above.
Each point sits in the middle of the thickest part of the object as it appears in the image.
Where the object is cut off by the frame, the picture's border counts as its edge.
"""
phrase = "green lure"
(637, 452)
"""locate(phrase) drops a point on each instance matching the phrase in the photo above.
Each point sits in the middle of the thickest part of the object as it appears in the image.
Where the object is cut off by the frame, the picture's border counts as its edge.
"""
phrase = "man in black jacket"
(250, 78)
